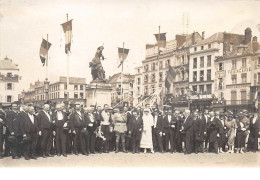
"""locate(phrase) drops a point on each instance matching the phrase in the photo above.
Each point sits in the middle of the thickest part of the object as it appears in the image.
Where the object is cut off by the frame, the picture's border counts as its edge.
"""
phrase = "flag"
(67, 28)
(170, 77)
(162, 41)
(122, 54)
(256, 98)
(45, 46)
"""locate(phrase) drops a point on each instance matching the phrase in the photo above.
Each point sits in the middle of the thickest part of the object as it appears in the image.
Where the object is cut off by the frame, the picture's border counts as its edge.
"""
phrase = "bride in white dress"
(146, 140)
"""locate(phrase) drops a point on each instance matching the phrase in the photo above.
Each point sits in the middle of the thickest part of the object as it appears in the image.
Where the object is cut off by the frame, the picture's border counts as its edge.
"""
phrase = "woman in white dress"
(146, 140)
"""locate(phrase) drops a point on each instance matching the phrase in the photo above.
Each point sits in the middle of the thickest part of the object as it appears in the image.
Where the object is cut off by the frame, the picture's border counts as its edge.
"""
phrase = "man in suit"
(45, 130)
(29, 130)
(12, 131)
(128, 115)
(158, 131)
(91, 123)
(213, 132)
(60, 119)
(198, 125)
(2, 120)
(188, 130)
(169, 130)
(135, 130)
(106, 123)
(77, 127)
(178, 134)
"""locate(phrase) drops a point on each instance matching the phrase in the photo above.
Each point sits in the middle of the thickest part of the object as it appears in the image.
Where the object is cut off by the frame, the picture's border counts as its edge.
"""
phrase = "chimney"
(193, 38)
(254, 39)
(203, 35)
(248, 36)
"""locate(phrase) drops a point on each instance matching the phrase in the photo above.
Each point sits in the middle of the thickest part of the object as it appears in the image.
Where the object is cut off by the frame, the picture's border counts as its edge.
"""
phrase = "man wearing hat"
(105, 126)
(29, 130)
(188, 130)
(12, 131)
(169, 130)
(158, 130)
(135, 130)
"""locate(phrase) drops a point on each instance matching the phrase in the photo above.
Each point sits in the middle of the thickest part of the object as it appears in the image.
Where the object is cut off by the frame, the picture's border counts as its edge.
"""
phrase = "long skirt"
(147, 140)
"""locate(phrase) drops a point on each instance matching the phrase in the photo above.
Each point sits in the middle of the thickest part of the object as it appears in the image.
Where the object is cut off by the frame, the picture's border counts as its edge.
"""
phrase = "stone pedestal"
(98, 93)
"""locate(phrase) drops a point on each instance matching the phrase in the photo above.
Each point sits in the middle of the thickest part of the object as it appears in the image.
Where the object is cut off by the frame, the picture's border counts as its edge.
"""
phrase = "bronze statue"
(97, 71)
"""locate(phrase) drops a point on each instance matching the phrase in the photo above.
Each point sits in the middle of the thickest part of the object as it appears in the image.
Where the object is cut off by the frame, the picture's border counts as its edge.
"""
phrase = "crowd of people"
(58, 130)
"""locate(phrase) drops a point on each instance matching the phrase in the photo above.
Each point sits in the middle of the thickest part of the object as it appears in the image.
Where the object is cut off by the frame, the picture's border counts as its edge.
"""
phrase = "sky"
(23, 24)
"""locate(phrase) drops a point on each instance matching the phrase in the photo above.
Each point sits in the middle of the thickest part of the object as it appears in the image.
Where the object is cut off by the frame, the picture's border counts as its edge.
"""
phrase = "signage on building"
(241, 70)
(201, 96)
(238, 86)
(220, 74)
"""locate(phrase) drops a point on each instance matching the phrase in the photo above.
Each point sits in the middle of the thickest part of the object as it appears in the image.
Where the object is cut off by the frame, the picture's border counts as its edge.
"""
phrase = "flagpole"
(158, 60)
(67, 68)
(47, 58)
(122, 73)
(46, 80)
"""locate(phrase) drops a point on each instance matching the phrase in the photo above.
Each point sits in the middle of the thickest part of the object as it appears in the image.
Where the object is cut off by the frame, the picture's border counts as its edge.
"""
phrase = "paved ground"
(141, 160)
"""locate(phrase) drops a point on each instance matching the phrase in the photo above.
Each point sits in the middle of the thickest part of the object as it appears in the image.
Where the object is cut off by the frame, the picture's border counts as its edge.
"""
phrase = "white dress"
(146, 140)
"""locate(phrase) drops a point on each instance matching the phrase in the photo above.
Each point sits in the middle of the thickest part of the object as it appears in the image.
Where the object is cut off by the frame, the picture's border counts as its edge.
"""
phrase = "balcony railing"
(9, 78)
(232, 102)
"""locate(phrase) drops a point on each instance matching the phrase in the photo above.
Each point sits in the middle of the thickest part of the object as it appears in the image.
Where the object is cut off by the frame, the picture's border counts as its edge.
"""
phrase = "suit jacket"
(43, 121)
(214, 129)
(160, 123)
(167, 125)
(88, 123)
(27, 126)
(76, 120)
(59, 123)
(135, 124)
(11, 121)
(188, 125)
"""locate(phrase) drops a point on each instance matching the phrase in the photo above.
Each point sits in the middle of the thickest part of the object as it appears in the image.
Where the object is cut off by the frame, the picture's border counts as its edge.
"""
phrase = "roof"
(115, 77)
(7, 64)
(217, 37)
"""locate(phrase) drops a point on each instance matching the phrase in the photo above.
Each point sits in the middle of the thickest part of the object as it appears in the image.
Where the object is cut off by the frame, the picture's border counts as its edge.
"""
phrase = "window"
(81, 87)
(182, 91)
(244, 62)
(194, 62)
(208, 75)
(9, 86)
(153, 66)
(146, 90)
(81, 95)
(65, 95)
(9, 98)
(201, 88)
(161, 65)
(182, 75)
(234, 79)
(195, 76)
(201, 47)
(194, 89)
(76, 96)
(258, 78)
(138, 81)
(138, 70)
(9, 74)
(202, 61)
(220, 67)
(65, 86)
(75, 87)
(209, 61)
(153, 77)
(209, 88)
(220, 85)
(201, 75)
(259, 60)
(234, 64)
(160, 76)
(233, 97)
(209, 46)
(146, 78)
(243, 77)
(195, 49)
(153, 89)
(167, 63)
(146, 68)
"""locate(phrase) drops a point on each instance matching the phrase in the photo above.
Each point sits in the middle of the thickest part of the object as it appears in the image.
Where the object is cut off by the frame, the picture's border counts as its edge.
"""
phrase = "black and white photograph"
(129, 84)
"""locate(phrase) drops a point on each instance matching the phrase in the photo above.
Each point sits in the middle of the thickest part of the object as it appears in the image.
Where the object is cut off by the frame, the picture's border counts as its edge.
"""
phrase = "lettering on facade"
(220, 74)
(241, 70)
(238, 86)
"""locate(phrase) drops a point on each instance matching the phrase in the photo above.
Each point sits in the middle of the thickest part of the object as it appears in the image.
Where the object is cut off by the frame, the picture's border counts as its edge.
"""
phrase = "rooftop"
(7, 64)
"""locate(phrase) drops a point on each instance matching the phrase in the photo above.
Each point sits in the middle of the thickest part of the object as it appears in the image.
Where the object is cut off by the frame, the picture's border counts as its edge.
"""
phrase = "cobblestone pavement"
(141, 160)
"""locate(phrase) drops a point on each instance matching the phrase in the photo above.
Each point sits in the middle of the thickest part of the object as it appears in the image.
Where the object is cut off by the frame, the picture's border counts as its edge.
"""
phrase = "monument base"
(98, 93)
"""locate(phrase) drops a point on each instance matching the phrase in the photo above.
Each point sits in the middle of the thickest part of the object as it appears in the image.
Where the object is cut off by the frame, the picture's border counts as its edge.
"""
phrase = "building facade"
(9, 81)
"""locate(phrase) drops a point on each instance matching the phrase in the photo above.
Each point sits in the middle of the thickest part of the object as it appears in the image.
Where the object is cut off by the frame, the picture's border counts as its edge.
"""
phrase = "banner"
(162, 41)
(67, 28)
(45, 46)
(122, 54)
(170, 77)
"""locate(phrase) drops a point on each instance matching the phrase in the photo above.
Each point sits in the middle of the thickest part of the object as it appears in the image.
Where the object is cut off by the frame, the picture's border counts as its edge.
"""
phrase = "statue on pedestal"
(97, 71)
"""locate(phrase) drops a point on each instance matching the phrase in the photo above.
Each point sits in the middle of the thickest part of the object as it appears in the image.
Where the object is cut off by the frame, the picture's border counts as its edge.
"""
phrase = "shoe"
(15, 157)
(133, 152)
(26, 158)
(44, 156)
(76, 153)
(49, 155)
(58, 154)
(85, 154)
(242, 152)
(220, 151)
(145, 151)
(152, 151)
(65, 155)
(33, 157)
(106, 152)
(116, 151)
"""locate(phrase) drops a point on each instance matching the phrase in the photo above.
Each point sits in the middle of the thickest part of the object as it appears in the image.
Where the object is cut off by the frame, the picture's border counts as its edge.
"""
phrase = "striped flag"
(122, 54)
(161, 40)
(67, 28)
(170, 77)
(45, 46)
(256, 98)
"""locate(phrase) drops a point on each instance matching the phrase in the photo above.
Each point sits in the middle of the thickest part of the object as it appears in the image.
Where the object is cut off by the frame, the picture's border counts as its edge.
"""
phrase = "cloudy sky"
(23, 24)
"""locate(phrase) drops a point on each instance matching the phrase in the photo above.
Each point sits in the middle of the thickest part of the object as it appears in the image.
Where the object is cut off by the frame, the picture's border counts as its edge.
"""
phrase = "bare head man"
(46, 107)
(30, 109)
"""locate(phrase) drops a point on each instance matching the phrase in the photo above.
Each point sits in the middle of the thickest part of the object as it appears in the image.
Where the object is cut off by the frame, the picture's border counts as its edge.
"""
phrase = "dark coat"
(213, 129)
(88, 122)
(168, 125)
(44, 122)
(135, 124)
(199, 129)
(76, 120)
(160, 123)
(27, 126)
(59, 123)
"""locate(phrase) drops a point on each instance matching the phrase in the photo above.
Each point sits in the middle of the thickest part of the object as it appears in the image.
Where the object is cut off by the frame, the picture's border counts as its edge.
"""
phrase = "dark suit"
(179, 136)
(188, 129)
(213, 130)
(60, 133)
(253, 136)
(199, 129)
(169, 130)
(157, 130)
(91, 137)
(222, 134)
(77, 125)
(135, 127)
(45, 126)
(30, 129)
